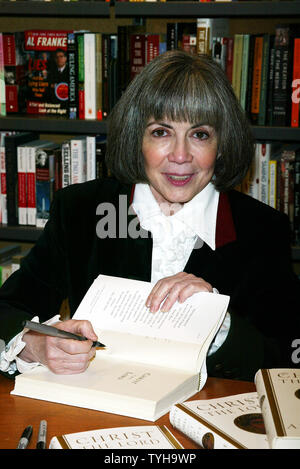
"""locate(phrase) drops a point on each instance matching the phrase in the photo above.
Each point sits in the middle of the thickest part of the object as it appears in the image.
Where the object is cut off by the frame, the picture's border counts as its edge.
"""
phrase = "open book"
(151, 361)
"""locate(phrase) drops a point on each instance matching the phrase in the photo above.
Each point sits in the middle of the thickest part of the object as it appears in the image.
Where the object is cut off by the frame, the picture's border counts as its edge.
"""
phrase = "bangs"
(188, 98)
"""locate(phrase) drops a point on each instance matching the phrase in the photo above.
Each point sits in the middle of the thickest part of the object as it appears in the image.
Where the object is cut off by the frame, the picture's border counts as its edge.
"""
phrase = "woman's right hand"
(61, 356)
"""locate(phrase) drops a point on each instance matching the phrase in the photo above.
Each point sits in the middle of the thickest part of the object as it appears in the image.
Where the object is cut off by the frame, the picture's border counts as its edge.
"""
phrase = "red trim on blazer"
(225, 230)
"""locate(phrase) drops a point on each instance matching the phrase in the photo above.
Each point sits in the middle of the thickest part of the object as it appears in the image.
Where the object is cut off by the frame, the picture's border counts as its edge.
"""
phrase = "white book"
(151, 361)
(66, 163)
(279, 396)
(136, 437)
(78, 159)
(90, 157)
(231, 422)
(90, 75)
(22, 184)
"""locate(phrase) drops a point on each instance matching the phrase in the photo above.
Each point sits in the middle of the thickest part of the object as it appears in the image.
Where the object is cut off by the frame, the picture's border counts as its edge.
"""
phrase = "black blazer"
(251, 263)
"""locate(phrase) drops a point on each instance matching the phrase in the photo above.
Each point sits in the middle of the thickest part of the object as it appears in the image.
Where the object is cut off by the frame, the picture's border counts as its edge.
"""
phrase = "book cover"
(207, 29)
(80, 71)
(136, 437)
(47, 72)
(66, 163)
(256, 78)
(14, 71)
(45, 179)
(151, 361)
(231, 422)
(279, 396)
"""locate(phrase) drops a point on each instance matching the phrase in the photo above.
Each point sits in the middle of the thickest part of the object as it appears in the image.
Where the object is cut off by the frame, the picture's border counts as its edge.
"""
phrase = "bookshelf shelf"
(211, 9)
(57, 8)
(52, 125)
(65, 126)
(28, 234)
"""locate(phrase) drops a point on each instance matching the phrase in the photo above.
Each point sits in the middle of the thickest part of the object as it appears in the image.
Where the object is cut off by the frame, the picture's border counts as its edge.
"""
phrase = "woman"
(178, 143)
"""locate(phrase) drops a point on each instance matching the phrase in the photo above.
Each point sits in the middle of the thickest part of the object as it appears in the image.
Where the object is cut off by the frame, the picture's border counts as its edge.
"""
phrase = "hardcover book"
(137, 437)
(47, 72)
(279, 393)
(151, 361)
(231, 422)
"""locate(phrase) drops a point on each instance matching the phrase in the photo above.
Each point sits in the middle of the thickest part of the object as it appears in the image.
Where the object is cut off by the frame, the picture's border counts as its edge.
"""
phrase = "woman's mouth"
(178, 179)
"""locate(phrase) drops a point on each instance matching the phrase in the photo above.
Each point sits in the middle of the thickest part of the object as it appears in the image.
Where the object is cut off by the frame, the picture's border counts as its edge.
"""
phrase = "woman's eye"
(159, 132)
(201, 135)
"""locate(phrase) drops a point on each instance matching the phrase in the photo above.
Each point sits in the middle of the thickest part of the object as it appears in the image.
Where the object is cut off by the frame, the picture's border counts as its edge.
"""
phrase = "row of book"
(33, 169)
(82, 74)
(274, 178)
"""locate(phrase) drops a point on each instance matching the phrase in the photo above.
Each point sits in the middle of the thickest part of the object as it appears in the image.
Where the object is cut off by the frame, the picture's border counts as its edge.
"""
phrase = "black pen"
(41, 442)
(25, 438)
(55, 332)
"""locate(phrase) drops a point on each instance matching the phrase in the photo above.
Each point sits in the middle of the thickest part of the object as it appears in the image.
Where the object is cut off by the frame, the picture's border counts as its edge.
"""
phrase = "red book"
(296, 85)
(229, 60)
(152, 47)
(14, 72)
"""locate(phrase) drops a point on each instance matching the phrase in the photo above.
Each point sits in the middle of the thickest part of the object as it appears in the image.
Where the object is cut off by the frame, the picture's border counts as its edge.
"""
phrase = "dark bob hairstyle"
(182, 88)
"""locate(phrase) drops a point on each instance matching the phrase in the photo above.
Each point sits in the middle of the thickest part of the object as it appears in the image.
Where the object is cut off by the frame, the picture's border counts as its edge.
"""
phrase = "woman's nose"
(180, 151)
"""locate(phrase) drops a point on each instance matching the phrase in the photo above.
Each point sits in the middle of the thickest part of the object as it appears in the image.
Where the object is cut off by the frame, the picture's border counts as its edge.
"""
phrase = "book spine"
(22, 152)
(90, 157)
(172, 36)
(204, 36)
(89, 76)
(287, 182)
(256, 79)
(105, 60)
(229, 59)
(78, 161)
(31, 189)
(264, 80)
(112, 71)
(269, 118)
(99, 73)
(66, 163)
(237, 64)
(2, 79)
(11, 89)
(272, 184)
(295, 109)
(254, 181)
(152, 47)
(44, 188)
(244, 74)
(281, 96)
(81, 91)
(11, 181)
(73, 77)
(3, 204)
(137, 54)
(58, 169)
(197, 430)
(269, 411)
(264, 150)
(297, 200)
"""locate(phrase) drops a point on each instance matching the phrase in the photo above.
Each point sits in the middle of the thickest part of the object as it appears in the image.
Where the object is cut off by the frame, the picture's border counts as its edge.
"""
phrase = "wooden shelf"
(55, 8)
(208, 9)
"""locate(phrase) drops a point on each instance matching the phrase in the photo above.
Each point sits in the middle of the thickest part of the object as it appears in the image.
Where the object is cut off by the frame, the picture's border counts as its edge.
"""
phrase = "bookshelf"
(90, 12)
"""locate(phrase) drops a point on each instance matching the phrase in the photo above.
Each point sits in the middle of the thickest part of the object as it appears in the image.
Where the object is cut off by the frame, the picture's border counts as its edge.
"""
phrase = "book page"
(119, 304)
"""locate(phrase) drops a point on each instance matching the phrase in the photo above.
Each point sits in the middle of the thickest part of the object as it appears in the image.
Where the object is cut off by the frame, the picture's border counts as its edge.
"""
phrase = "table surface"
(17, 412)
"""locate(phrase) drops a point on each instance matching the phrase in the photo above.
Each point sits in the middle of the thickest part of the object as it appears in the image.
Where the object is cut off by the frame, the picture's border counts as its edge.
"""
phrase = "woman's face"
(179, 159)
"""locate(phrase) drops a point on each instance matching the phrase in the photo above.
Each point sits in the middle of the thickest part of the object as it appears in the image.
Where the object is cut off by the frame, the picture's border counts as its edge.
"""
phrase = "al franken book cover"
(47, 72)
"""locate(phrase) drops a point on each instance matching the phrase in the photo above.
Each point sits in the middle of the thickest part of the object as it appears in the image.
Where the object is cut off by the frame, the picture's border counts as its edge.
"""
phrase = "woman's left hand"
(177, 287)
